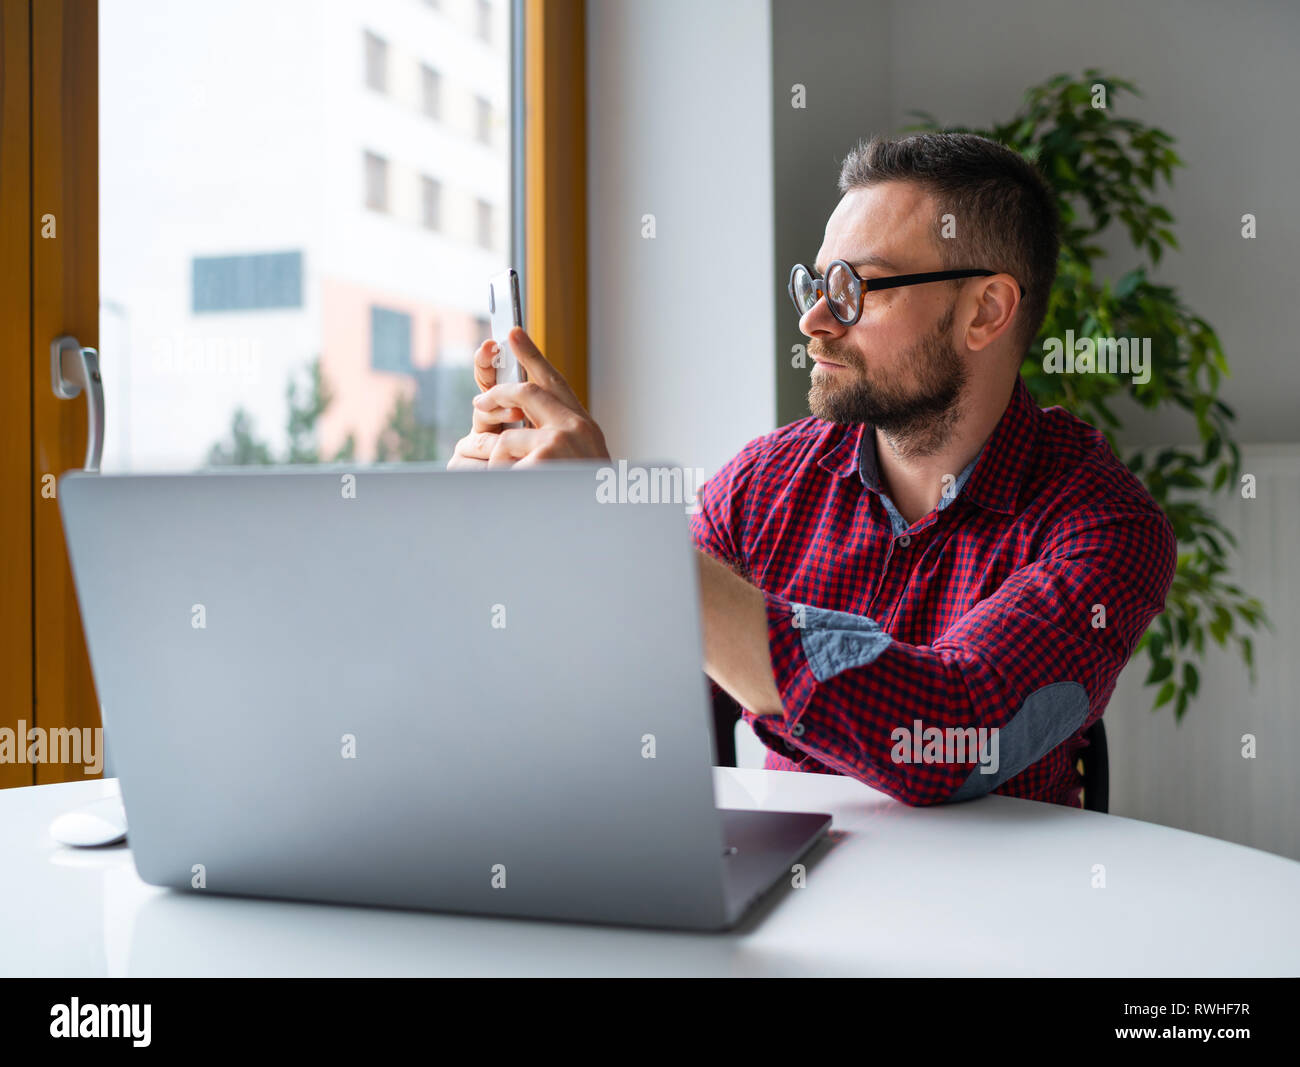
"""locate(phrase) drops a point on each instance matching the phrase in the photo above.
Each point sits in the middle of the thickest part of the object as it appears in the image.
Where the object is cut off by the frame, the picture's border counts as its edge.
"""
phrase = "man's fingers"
(492, 419)
(485, 377)
(476, 447)
(539, 368)
(557, 425)
(539, 405)
(511, 445)
(485, 371)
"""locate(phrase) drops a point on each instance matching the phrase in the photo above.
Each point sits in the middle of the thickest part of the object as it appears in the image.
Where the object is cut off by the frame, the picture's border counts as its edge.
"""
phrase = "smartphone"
(503, 307)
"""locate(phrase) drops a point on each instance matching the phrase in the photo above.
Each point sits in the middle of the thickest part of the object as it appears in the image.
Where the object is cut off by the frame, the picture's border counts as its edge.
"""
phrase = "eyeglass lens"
(841, 291)
(805, 291)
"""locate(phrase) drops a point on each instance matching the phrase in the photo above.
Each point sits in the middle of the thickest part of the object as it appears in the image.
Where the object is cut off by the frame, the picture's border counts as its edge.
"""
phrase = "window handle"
(72, 369)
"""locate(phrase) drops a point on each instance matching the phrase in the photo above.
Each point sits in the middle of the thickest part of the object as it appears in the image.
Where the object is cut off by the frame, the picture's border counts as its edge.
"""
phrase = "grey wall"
(679, 126)
(1222, 78)
(839, 52)
(1194, 775)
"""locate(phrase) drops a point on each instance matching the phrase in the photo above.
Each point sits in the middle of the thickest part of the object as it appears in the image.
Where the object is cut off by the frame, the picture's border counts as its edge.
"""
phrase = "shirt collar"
(998, 470)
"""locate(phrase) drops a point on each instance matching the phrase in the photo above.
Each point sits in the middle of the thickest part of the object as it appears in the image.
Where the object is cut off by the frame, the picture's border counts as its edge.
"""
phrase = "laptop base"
(761, 848)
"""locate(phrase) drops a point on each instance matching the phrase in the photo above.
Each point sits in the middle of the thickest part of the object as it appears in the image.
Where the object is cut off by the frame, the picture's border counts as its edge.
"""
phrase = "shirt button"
(797, 729)
(905, 540)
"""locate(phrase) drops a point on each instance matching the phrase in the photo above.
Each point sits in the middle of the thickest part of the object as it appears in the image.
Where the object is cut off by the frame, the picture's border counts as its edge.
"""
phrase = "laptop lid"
(405, 686)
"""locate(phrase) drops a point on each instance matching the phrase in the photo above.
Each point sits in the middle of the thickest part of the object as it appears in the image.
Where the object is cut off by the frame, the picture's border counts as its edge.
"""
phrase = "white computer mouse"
(102, 822)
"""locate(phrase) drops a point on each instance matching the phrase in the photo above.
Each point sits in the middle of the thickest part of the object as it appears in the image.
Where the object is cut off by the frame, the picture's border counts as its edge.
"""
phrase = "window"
(482, 120)
(204, 377)
(376, 62)
(431, 200)
(431, 91)
(444, 393)
(376, 182)
(484, 21)
(247, 283)
(484, 224)
(155, 222)
(390, 340)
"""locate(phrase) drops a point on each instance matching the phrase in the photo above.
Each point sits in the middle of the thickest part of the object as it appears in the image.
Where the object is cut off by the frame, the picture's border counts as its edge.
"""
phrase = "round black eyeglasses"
(844, 288)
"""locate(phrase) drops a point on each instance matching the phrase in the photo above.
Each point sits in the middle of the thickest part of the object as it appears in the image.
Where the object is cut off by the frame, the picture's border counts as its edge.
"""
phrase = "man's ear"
(994, 303)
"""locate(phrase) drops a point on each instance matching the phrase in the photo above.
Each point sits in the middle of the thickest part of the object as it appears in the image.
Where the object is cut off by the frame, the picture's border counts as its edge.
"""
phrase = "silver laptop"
(402, 686)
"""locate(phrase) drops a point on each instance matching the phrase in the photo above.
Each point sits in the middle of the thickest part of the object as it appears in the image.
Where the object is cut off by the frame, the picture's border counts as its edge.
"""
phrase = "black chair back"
(1096, 769)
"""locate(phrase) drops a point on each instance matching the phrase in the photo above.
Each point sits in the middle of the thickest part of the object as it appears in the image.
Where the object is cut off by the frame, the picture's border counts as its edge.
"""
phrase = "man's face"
(896, 367)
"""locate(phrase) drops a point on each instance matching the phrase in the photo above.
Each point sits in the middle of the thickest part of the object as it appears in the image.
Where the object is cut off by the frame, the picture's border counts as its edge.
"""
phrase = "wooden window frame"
(49, 207)
(554, 187)
(17, 694)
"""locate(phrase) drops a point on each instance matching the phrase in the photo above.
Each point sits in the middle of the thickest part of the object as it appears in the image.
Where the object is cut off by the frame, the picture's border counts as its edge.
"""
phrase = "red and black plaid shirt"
(1013, 605)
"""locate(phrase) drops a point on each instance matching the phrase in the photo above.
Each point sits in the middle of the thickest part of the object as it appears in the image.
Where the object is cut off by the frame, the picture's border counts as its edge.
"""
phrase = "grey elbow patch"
(1048, 717)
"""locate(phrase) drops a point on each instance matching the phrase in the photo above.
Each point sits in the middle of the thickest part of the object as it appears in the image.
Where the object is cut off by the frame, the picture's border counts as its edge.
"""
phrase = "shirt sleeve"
(717, 522)
(1016, 676)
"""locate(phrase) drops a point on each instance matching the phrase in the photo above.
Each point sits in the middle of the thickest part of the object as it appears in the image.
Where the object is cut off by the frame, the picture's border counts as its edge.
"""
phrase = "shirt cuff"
(808, 646)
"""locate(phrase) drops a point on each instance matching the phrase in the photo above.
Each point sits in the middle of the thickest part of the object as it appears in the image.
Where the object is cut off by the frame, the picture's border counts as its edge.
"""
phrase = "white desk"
(993, 887)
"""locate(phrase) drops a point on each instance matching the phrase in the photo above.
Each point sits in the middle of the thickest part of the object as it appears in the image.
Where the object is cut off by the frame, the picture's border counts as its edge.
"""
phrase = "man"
(931, 584)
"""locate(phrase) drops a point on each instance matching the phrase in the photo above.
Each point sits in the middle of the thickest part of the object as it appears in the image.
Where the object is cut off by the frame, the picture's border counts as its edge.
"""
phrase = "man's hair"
(1005, 212)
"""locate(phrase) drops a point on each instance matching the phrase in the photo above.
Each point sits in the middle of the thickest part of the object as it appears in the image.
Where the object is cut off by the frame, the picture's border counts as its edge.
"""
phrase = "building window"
(484, 224)
(247, 283)
(484, 21)
(376, 62)
(482, 120)
(390, 340)
(431, 201)
(431, 91)
(376, 182)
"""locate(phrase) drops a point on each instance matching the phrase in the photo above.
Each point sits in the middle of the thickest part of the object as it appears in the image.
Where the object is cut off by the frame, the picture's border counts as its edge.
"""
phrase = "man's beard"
(916, 422)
